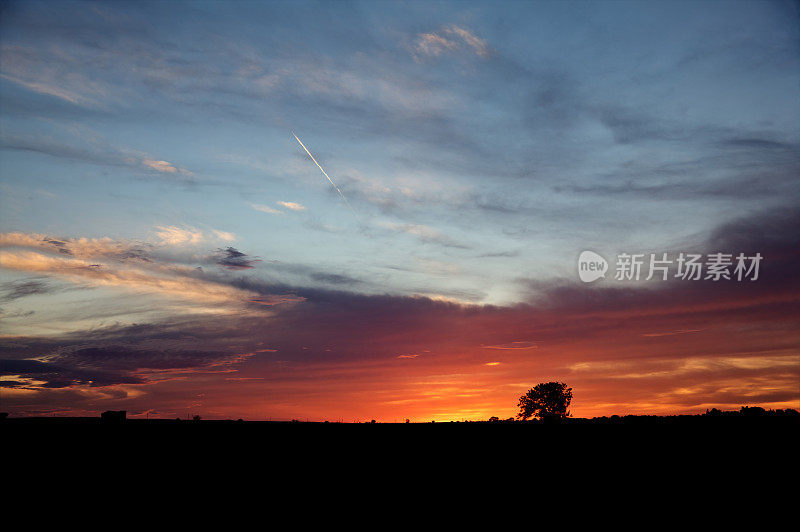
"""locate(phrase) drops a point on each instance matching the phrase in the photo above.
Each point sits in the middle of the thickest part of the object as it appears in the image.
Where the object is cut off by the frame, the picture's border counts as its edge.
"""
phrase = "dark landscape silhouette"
(547, 404)
(745, 415)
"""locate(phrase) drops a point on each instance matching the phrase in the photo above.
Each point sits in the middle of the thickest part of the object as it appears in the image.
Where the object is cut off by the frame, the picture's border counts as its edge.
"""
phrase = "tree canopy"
(545, 400)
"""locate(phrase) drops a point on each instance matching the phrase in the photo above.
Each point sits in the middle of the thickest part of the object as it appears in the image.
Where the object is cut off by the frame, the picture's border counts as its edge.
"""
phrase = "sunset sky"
(169, 248)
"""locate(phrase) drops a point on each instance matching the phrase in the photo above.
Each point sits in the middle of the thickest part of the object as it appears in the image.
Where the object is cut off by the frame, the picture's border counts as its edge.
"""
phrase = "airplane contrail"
(325, 174)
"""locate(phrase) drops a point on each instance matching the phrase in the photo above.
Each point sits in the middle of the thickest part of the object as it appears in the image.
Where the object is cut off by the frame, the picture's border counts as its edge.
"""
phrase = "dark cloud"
(63, 150)
(759, 143)
(233, 259)
(55, 375)
(23, 367)
(125, 358)
(596, 335)
(684, 305)
(134, 253)
(302, 274)
(499, 254)
(12, 290)
(108, 365)
(61, 246)
(333, 278)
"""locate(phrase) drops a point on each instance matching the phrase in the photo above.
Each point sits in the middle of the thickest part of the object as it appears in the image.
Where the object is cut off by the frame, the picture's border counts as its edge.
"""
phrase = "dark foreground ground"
(675, 422)
(724, 430)
(692, 451)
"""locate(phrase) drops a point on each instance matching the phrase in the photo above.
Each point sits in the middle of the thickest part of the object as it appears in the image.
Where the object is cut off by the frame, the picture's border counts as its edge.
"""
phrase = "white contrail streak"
(325, 173)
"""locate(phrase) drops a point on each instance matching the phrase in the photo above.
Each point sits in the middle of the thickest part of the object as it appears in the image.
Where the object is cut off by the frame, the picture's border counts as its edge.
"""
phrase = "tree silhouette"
(545, 400)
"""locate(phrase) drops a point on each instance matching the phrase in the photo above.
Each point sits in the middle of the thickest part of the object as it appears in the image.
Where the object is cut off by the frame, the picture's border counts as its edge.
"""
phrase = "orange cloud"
(105, 262)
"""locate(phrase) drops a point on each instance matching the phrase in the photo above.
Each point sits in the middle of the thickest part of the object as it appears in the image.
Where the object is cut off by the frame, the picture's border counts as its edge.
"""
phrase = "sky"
(168, 247)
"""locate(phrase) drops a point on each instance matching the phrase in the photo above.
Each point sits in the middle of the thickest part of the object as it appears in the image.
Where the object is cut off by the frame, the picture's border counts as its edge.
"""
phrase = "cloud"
(433, 44)
(94, 150)
(305, 273)
(333, 278)
(160, 280)
(224, 235)
(123, 358)
(49, 70)
(137, 268)
(99, 364)
(16, 313)
(264, 208)
(448, 39)
(35, 374)
(291, 205)
(499, 254)
(161, 166)
(477, 44)
(165, 167)
(670, 333)
(513, 346)
(233, 259)
(12, 290)
(425, 234)
(337, 346)
(518, 127)
(173, 235)
(79, 247)
(51, 90)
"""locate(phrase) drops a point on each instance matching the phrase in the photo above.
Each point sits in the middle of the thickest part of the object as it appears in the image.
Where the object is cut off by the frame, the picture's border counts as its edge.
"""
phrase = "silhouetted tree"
(752, 411)
(545, 400)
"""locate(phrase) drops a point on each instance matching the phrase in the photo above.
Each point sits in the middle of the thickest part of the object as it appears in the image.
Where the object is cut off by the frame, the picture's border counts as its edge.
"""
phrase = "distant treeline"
(744, 414)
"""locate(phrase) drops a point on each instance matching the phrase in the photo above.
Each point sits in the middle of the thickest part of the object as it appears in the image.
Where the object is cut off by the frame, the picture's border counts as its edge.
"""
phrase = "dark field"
(719, 449)
(720, 428)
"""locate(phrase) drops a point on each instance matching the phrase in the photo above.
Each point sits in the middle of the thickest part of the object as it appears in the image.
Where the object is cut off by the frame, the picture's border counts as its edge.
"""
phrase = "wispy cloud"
(671, 333)
(224, 235)
(292, 205)
(513, 346)
(165, 167)
(12, 290)
(433, 44)
(179, 235)
(477, 44)
(425, 234)
(448, 39)
(53, 72)
(264, 208)
(50, 90)
(106, 262)
(173, 235)
(94, 150)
